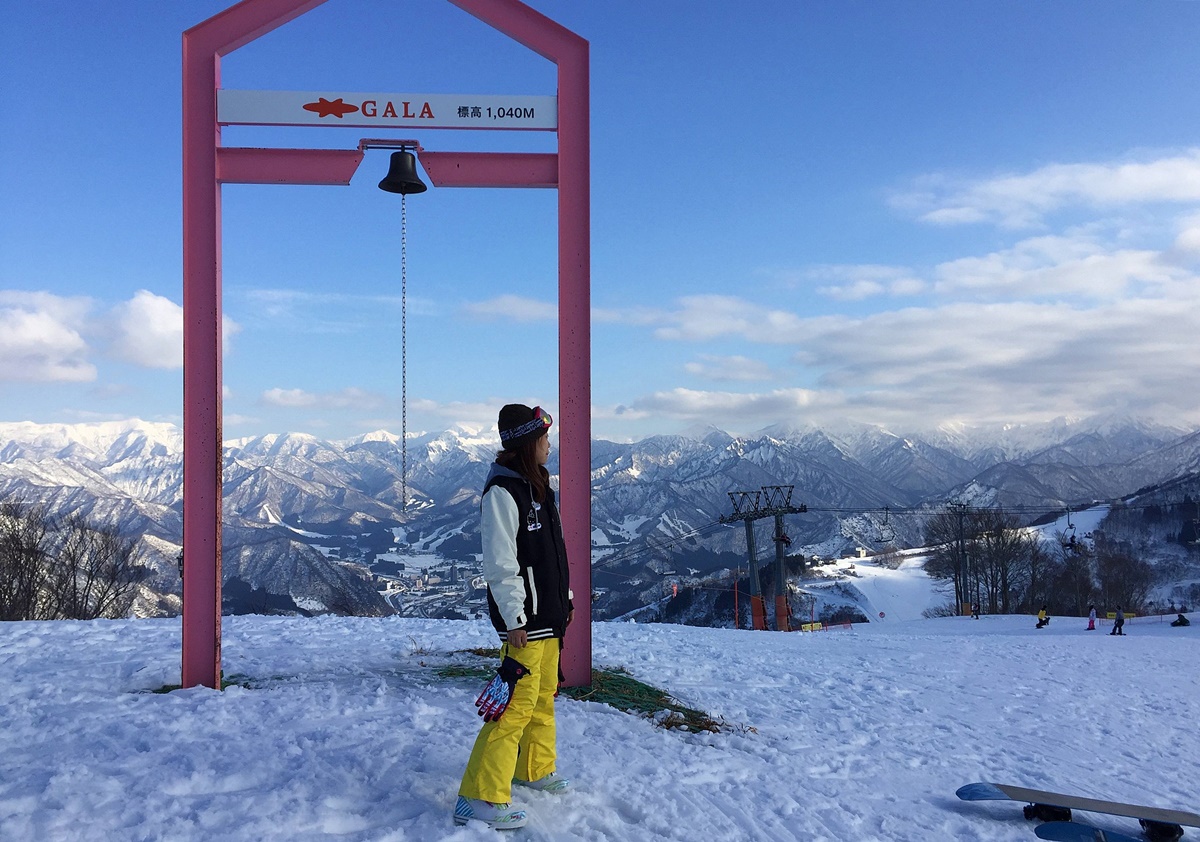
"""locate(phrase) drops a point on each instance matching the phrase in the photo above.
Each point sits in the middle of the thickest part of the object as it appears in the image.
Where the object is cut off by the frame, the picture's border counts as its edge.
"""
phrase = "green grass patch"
(232, 681)
(617, 688)
(614, 687)
(460, 671)
(486, 651)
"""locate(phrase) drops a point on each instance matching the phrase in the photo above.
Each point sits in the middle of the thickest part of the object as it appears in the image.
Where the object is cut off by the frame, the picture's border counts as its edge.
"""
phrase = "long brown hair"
(523, 460)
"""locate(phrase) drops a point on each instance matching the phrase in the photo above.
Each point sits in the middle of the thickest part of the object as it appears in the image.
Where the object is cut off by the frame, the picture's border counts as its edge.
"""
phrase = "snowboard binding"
(1047, 813)
(1161, 831)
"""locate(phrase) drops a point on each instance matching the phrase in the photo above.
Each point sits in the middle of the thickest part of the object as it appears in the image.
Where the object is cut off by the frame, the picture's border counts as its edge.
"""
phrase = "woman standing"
(529, 599)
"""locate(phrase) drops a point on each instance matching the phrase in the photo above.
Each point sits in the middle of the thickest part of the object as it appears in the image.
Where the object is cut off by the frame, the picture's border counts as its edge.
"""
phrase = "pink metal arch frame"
(207, 165)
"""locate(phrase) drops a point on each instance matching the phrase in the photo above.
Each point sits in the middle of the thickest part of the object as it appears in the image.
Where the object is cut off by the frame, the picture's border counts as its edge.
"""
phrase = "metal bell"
(402, 175)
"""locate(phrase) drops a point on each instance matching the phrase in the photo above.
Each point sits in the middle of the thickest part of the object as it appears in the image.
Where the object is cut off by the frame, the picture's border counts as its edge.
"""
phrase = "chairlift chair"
(885, 534)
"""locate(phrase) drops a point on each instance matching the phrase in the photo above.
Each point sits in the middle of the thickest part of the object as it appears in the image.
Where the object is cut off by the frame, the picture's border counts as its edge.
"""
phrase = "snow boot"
(550, 783)
(495, 816)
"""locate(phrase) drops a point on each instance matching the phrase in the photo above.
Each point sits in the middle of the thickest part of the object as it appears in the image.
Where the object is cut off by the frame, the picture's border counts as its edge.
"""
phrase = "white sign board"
(416, 111)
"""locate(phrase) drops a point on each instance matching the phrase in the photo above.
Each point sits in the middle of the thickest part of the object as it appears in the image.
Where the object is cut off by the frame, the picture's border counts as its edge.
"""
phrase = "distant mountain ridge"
(651, 499)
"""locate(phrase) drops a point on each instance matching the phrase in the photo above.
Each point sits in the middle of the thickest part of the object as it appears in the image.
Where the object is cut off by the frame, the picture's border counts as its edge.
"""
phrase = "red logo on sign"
(325, 108)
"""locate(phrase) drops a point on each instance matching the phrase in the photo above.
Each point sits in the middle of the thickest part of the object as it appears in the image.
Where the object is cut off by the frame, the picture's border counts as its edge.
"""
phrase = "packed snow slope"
(886, 595)
(346, 732)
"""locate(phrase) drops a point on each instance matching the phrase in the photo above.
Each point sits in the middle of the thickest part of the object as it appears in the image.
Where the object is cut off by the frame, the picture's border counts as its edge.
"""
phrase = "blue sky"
(899, 213)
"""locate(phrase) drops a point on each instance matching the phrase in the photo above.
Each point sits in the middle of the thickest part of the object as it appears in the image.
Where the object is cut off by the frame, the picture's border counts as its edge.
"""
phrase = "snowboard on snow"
(1158, 824)
(1076, 832)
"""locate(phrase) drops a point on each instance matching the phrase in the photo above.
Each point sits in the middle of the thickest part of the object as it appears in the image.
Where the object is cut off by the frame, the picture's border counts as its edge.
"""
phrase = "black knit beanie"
(519, 425)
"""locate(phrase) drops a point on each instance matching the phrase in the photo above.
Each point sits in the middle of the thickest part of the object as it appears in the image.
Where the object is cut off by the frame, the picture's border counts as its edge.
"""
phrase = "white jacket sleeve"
(500, 568)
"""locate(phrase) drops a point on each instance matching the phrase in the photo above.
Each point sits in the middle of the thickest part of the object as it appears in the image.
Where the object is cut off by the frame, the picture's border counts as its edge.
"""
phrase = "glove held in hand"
(496, 695)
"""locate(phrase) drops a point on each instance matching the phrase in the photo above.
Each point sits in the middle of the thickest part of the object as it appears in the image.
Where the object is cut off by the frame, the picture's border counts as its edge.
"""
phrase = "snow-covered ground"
(895, 595)
(413, 561)
(348, 733)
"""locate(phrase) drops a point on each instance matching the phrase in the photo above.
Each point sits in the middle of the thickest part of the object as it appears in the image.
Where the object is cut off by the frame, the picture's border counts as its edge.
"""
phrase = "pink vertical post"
(203, 46)
(574, 351)
(201, 369)
(571, 55)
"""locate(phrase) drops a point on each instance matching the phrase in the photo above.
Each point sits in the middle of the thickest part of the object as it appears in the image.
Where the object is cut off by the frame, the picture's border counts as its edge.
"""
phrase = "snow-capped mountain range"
(653, 500)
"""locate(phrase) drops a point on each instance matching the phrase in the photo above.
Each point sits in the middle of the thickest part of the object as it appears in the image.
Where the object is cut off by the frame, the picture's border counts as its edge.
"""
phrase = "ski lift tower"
(748, 506)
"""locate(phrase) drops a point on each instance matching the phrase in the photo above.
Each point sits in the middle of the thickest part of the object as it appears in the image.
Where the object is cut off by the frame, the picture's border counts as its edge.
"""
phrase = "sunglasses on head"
(541, 418)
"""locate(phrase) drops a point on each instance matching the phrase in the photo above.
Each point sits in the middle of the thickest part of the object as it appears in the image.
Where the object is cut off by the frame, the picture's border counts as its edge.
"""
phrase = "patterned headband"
(541, 421)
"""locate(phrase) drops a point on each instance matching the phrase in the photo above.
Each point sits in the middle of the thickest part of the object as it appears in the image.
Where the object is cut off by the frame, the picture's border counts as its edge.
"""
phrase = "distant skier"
(974, 610)
(1043, 618)
(1091, 618)
(1119, 624)
(1181, 621)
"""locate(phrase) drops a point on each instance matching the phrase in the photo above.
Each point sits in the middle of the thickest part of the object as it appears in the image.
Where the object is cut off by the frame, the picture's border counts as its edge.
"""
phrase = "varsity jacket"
(524, 558)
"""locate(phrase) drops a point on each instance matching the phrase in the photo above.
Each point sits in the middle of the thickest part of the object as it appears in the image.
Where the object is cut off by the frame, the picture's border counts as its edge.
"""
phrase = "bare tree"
(25, 540)
(1001, 553)
(93, 573)
(889, 557)
(1043, 568)
(1075, 580)
(944, 532)
(51, 570)
(984, 551)
(1124, 579)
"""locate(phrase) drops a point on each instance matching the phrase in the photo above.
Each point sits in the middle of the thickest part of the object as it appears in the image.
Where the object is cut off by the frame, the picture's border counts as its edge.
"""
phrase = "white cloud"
(88, 416)
(513, 308)
(478, 416)
(860, 282)
(1056, 266)
(736, 411)
(111, 391)
(348, 398)
(456, 411)
(41, 338)
(736, 367)
(289, 398)
(854, 291)
(638, 316)
(907, 287)
(148, 331)
(1003, 362)
(1054, 326)
(1011, 361)
(46, 338)
(705, 317)
(233, 419)
(1188, 238)
(1024, 199)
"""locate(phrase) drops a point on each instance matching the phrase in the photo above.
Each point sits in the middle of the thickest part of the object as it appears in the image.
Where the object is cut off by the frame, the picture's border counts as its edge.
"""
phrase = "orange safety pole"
(758, 613)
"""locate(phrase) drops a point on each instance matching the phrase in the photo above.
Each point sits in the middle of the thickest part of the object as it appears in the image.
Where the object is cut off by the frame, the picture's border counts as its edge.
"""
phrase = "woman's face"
(542, 450)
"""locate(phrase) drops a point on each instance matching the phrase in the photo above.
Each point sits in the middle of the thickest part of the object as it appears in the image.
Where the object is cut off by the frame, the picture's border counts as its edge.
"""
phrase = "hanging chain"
(403, 353)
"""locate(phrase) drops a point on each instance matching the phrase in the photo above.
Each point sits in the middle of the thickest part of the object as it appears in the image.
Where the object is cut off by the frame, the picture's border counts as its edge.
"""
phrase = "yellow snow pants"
(520, 744)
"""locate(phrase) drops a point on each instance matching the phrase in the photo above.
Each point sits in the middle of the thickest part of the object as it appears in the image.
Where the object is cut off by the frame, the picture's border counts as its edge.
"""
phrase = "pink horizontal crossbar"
(286, 166)
(491, 169)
